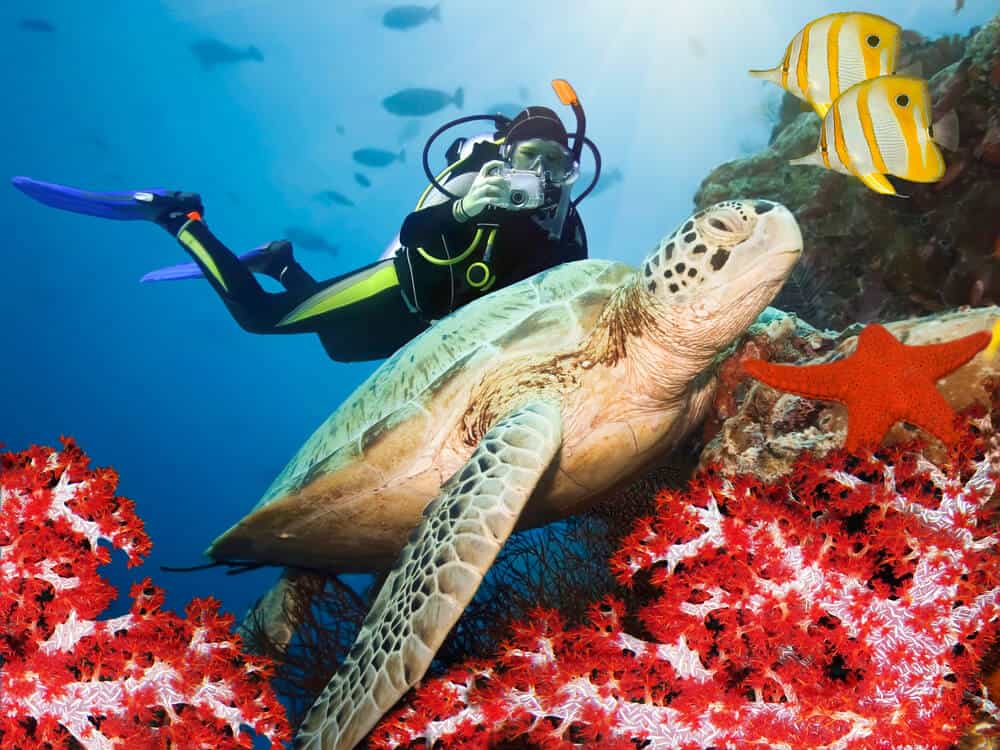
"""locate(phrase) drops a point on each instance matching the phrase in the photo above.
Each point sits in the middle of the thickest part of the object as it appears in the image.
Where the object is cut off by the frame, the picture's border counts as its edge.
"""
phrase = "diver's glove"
(486, 190)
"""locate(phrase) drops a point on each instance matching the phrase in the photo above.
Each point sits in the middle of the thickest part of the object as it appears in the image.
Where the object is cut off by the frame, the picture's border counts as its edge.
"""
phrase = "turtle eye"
(873, 40)
(720, 224)
(902, 100)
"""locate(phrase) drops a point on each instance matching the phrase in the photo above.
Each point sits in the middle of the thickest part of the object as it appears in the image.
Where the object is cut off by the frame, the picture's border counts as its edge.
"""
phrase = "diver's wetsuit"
(362, 315)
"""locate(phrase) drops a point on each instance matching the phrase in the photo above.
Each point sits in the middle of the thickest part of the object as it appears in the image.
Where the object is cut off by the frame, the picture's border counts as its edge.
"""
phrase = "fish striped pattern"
(878, 127)
(833, 53)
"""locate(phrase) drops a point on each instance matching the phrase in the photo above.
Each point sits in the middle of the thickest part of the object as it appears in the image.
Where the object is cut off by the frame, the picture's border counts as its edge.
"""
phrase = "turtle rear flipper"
(435, 577)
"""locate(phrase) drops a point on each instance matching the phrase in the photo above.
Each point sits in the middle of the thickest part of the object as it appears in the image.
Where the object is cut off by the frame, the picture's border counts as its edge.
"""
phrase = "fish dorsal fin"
(878, 183)
(436, 576)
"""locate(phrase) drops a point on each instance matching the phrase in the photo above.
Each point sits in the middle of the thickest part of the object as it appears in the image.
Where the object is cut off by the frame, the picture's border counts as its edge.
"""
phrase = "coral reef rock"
(869, 256)
(757, 429)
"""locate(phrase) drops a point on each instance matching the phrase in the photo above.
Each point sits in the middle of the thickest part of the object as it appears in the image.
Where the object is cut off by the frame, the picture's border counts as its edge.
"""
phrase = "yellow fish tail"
(945, 131)
(771, 74)
(813, 159)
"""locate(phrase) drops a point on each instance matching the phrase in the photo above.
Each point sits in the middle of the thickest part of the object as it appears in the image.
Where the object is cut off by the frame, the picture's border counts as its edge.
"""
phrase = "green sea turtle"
(553, 390)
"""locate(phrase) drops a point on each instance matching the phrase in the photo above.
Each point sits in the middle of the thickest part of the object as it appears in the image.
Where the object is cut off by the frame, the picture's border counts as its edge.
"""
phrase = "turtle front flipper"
(435, 577)
(273, 618)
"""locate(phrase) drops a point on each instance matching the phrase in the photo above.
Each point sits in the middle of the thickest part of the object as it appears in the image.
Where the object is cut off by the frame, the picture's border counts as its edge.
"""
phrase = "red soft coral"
(148, 679)
(846, 606)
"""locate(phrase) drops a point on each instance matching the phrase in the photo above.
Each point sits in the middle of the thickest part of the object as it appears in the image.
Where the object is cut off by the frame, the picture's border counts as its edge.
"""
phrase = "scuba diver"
(499, 213)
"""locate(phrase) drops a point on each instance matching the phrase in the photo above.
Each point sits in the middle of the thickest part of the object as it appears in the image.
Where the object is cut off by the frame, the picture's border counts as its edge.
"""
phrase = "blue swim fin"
(264, 259)
(132, 205)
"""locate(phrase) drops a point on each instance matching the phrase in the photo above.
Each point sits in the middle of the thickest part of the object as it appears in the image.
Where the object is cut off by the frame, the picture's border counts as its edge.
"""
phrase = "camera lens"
(517, 197)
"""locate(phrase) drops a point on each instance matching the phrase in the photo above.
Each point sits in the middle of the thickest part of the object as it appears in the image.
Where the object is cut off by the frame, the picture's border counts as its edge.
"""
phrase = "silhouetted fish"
(362, 180)
(697, 47)
(212, 52)
(95, 138)
(421, 102)
(340, 130)
(404, 17)
(309, 240)
(329, 197)
(36, 24)
(377, 157)
(408, 131)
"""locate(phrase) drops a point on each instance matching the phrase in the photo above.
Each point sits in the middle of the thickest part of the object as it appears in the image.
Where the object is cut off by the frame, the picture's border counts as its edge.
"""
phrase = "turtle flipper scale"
(443, 563)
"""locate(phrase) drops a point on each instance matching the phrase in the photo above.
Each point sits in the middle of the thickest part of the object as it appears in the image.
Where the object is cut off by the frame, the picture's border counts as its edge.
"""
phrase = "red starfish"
(882, 382)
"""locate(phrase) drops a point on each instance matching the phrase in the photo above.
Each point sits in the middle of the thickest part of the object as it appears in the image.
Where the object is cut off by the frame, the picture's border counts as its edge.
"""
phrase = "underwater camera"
(526, 190)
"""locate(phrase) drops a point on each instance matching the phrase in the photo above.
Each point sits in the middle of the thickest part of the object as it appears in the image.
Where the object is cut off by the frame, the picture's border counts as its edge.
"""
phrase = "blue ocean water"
(157, 380)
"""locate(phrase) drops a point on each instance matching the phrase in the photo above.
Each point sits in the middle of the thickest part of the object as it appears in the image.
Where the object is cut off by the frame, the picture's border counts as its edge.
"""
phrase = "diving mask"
(546, 159)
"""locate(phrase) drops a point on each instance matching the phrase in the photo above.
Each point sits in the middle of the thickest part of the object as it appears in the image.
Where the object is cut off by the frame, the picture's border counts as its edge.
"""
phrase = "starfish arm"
(865, 429)
(875, 335)
(937, 360)
(826, 381)
(934, 415)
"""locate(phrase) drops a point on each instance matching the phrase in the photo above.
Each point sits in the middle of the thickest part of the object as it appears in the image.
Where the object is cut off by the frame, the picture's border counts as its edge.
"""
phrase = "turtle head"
(719, 270)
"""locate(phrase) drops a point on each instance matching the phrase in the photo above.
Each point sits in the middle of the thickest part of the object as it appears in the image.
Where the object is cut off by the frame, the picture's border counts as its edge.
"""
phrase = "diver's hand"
(486, 190)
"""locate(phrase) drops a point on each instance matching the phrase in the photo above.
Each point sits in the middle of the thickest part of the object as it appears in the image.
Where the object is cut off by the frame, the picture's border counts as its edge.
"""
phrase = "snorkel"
(567, 95)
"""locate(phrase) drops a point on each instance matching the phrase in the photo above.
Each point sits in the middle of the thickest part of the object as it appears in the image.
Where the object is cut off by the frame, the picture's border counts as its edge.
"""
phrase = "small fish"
(882, 126)
(606, 180)
(377, 157)
(97, 140)
(309, 240)
(959, 4)
(421, 102)
(340, 130)
(832, 53)
(330, 197)
(403, 17)
(408, 131)
(212, 52)
(36, 24)
(362, 180)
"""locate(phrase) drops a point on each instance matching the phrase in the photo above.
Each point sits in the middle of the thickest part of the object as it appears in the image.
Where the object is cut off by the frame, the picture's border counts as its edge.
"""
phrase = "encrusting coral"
(844, 605)
(870, 257)
(147, 679)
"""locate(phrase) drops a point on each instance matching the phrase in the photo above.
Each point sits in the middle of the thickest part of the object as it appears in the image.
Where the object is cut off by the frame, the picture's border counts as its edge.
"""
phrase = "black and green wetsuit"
(371, 312)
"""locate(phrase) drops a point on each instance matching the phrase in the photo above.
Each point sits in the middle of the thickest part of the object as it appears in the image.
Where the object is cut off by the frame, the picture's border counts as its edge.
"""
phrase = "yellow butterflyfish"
(833, 53)
(882, 126)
